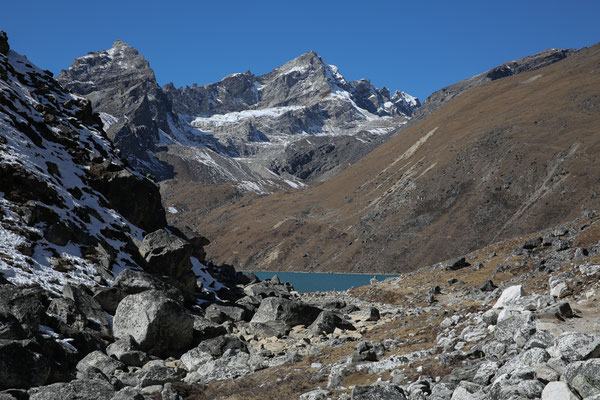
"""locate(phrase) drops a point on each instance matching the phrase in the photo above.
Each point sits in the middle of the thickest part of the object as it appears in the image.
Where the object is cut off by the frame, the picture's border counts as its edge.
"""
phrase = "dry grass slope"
(510, 157)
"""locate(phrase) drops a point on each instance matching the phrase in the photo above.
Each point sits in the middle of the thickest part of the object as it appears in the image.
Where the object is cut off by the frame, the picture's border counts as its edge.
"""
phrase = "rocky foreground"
(517, 320)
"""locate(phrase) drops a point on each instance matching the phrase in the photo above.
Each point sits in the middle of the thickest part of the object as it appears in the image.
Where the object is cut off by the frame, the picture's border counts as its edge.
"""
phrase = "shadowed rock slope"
(511, 156)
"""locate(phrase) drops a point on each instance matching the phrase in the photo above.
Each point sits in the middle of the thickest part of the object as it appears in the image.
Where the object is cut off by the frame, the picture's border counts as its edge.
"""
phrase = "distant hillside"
(509, 156)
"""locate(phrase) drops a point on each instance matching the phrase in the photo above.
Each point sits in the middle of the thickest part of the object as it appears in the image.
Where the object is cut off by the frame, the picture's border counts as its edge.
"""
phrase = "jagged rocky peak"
(306, 78)
(96, 69)
(234, 92)
(122, 87)
(4, 46)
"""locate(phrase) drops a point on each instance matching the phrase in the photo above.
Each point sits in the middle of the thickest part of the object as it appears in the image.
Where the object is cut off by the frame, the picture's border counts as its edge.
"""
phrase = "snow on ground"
(21, 152)
(108, 120)
(237, 116)
(209, 284)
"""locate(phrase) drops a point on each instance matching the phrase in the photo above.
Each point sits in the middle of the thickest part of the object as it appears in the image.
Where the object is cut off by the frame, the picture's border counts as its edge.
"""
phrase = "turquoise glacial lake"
(319, 282)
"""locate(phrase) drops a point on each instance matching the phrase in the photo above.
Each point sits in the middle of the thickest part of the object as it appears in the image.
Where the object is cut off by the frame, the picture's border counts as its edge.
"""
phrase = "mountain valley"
(129, 209)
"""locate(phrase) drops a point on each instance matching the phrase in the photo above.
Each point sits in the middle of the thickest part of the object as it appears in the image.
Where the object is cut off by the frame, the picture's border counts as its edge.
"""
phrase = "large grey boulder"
(126, 350)
(10, 328)
(291, 312)
(166, 254)
(158, 324)
(25, 304)
(21, 366)
(266, 289)
(156, 373)
(84, 303)
(217, 346)
(529, 360)
(205, 329)
(195, 358)
(517, 326)
(220, 313)
(509, 296)
(558, 391)
(583, 376)
(317, 394)
(386, 391)
(132, 282)
(101, 361)
(576, 346)
(88, 389)
(327, 321)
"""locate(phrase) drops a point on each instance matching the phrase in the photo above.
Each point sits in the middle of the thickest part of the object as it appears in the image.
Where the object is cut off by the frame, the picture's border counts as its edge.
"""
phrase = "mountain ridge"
(376, 215)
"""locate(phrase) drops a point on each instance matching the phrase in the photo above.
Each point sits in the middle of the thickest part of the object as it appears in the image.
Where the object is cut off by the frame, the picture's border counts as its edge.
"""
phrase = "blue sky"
(417, 47)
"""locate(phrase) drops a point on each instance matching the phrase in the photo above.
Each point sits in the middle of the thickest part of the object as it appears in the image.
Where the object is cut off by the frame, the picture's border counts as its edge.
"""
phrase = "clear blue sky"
(417, 46)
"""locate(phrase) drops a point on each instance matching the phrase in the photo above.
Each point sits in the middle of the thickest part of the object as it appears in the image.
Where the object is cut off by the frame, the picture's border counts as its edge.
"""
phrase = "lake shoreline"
(305, 282)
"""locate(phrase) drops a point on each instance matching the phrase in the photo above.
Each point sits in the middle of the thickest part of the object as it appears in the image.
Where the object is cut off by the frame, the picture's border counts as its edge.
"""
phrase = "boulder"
(159, 374)
(558, 391)
(80, 389)
(560, 245)
(465, 390)
(546, 374)
(327, 321)
(291, 312)
(485, 372)
(109, 298)
(220, 313)
(22, 365)
(233, 364)
(576, 346)
(266, 289)
(10, 328)
(560, 290)
(133, 196)
(379, 391)
(317, 394)
(368, 351)
(166, 254)
(205, 329)
(277, 329)
(456, 264)
(101, 361)
(509, 296)
(370, 314)
(488, 286)
(129, 393)
(518, 325)
(532, 243)
(85, 304)
(133, 282)
(158, 324)
(530, 360)
(126, 351)
(25, 304)
(217, 346)
(558, 310)
(583, 377)
(195, 358)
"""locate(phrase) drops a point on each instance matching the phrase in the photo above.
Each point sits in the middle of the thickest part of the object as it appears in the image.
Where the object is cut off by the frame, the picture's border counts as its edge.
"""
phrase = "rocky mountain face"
(510, 156)
(121, 85)
(242, 128)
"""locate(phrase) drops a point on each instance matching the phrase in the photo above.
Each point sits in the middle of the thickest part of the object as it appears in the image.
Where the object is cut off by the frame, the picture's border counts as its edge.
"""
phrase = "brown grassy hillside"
(512, 156)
